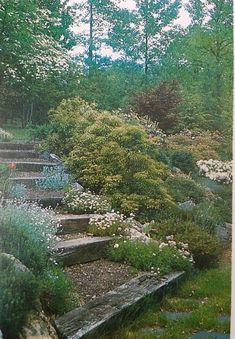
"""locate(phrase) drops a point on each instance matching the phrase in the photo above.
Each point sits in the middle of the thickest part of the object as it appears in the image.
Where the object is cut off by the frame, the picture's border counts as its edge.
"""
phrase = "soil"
(96, 278)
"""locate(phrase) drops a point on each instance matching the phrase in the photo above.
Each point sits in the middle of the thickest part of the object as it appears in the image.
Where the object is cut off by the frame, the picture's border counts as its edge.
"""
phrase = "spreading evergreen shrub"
(183, 188)
(183, 160)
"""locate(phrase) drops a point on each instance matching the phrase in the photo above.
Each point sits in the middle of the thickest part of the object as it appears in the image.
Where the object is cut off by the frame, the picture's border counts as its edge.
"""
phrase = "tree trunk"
(91, 39)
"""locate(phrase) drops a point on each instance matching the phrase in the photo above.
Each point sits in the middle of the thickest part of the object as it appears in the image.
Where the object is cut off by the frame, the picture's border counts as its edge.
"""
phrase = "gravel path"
(96, 278)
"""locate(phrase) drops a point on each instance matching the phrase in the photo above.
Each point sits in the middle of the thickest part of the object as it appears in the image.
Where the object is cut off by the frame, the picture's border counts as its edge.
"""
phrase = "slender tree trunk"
(146, 55)
(91, 38)
(146, 42)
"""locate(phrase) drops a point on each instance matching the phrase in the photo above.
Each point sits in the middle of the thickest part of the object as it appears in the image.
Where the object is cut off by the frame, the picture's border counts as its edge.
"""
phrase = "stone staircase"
(75, 247)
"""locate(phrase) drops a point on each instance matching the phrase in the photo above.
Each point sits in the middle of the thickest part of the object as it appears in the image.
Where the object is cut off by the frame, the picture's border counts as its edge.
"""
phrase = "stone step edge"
(17, 145)
(82, 250)
(72, 223)
(83, 322)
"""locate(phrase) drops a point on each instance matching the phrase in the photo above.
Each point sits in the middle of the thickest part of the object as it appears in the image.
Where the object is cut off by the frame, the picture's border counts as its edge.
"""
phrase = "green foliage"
(112, 157)
(148, 257)
(201, 144)
(19, 293)
(204, 247)
(183, 188)
(55, 289)
(183, 160)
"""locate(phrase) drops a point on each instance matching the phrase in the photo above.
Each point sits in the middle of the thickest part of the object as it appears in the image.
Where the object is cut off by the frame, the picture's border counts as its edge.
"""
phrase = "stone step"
(14, 145)
(34, 165)
(79, 251)
(28, 181)
(18, 154)
(122, 305)
(71, 223)
(52, 202)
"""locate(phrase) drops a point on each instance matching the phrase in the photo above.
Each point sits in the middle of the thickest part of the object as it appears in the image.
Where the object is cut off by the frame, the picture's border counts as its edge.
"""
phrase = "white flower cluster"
(40, 223)
(116, 223)
(216, 170)
(4, 135)
(86, 202)
(181, 247)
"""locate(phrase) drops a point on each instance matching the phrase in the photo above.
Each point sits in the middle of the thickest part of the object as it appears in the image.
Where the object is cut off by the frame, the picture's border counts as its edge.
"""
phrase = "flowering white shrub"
(111, 224)
(40, 223)
(216, 170)
(4, 135)
(85, 202)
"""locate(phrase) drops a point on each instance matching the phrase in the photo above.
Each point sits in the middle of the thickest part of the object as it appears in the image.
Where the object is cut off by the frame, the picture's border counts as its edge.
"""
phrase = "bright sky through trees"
(183, 20)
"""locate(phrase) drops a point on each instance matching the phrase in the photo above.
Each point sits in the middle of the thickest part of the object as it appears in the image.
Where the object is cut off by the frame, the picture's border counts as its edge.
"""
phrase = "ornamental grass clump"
(110, 224)
(159, 257)
(216, 170)
(85, 202)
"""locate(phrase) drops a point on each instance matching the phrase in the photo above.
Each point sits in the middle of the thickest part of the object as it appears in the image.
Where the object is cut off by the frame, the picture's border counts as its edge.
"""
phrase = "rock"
(187, 205)
(16, 262)
(224, 232)
(176, 170)
(77, 187)
(134, 234)
(38, 327)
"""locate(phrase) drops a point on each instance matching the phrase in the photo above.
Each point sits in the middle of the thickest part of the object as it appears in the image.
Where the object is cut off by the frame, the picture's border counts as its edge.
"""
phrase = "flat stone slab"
(79, 251)
(14, 145)
(223, 318)
(29, 181)
(209, 335)
(71, 223)
(177, 315)
(116, 307)
(28, 166)
(18, 154)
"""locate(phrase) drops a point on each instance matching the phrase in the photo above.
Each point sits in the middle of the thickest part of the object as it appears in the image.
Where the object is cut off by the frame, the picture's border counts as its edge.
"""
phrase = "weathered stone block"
(78, 251)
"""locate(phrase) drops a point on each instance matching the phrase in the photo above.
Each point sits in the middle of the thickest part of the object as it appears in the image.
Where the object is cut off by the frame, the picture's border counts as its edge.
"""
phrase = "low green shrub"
(55, 290)
(183, 160)
(150, 256)
(183, 188)
(204, 247)
(19, 293)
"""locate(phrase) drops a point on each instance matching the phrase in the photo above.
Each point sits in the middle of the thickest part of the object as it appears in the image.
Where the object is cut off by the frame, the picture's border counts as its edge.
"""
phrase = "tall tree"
(95, 15)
